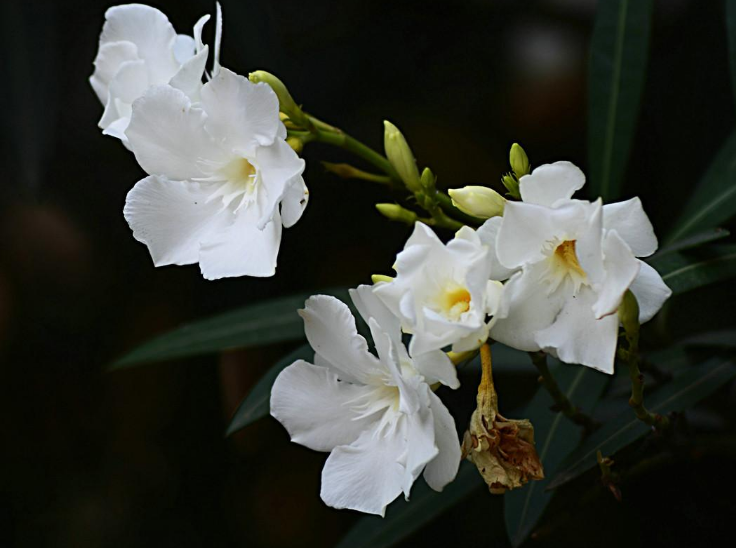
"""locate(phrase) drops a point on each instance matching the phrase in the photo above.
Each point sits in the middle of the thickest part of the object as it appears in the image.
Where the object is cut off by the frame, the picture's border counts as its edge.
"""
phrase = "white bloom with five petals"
(572, 262)
(139, 48)
(377, 416)
(442, 293)
(222, 179)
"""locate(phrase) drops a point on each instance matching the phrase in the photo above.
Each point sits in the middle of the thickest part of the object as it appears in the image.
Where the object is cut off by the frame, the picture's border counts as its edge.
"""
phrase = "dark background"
(138, 457)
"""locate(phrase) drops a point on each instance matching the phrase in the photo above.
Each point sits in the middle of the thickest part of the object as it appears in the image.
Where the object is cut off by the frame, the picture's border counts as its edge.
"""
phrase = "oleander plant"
(556, 273)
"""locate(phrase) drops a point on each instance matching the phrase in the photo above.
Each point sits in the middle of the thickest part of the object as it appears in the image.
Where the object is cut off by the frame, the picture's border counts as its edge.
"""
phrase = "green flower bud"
(376, 278)
(628, 313)
(287, 105)
(512, 185)
(428, 181)
(400, 156)
(395, 212)
(479, 201)
(519, 161)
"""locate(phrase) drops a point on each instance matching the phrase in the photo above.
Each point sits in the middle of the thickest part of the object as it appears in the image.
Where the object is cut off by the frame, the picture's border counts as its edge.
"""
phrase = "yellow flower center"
(563, 263)
(240, 172)
(455, 302)
(566, 257)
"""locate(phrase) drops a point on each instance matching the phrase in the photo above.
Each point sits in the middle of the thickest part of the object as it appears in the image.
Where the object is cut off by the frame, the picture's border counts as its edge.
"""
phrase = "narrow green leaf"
(696, 268)
(684, 391)
(725, 338)
(403, 518)
(618, 59)
(555, 437)
(695, 240)
(255, 405)
(714, 199)
(265, 322)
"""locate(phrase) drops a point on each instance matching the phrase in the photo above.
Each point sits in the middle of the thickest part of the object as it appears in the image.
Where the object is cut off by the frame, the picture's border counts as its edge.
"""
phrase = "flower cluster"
(222, 181)
(544, 273)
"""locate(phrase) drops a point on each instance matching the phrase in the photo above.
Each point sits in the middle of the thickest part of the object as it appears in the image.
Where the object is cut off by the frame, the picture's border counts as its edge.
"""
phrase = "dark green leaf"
(684, 391)
(256, 404)
(695, 240)
(403, 518)
(731, 28)
(725, 338)
(618, 58)
(555, 437)
(265, 322)
(714, 199)
(685, 271)
(506, 361)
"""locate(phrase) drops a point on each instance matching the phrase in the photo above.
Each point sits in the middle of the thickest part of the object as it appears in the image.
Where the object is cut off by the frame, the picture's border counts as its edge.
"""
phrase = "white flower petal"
(167, 135)
(588, 244)
(473, 340)
(632, 224)
(526, 229)
(171, 218)
(198, 26)
(420, 443)
(189, 77)
(409, 398)
(279, 169)
(436, 367)
(218, 40)
(129, 83)
(109, 58)
(550, 183)
(150, 31)
(621, 269)
(317, 409)
(650, 291)
(530, 309)
(184, 48)
(366, 475)
(243, 114)
(370, 306)
(488, 234)
(577, 337)
(330, 330)
(241, 248)
(295, 200)
(443, 468)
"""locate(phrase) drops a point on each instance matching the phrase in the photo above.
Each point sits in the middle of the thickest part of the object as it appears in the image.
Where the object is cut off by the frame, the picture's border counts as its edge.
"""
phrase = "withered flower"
(502, 449)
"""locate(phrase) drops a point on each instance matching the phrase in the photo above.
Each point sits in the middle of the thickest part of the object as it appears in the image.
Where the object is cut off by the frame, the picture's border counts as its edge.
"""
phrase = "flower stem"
(562, 402)
(445, 216)
(486, 387)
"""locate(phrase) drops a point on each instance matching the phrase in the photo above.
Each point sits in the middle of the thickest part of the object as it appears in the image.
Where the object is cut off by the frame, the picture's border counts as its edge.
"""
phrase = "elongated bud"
(395, 212)
(287, 105)
(376, 278)
(479, 201)
(519, 161)
(428, 181)
(628, 313)
(400, 156)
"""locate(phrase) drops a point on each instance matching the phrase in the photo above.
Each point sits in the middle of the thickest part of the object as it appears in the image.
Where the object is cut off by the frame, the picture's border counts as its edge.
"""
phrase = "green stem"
(562, 402)
(636, 401)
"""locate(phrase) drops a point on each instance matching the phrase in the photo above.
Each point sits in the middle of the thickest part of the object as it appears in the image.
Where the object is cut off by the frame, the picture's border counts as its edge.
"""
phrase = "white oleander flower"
(222, 179)
(139, 48)
(573, 262)
(377, 416)
(442, 293)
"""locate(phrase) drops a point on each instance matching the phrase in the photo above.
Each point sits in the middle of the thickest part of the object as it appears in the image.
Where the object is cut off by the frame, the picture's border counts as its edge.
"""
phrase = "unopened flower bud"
(287, 104)
(400, 156)
(512, 185)
(395, 212)
(377, 278)
(428, 181)
(479, 201)
(295, 143)
(628, 312)
(519, 161)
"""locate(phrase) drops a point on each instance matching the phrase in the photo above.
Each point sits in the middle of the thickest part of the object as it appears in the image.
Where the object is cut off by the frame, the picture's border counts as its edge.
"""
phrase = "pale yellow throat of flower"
(564, 262)
(455, 301)
(241, 173)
